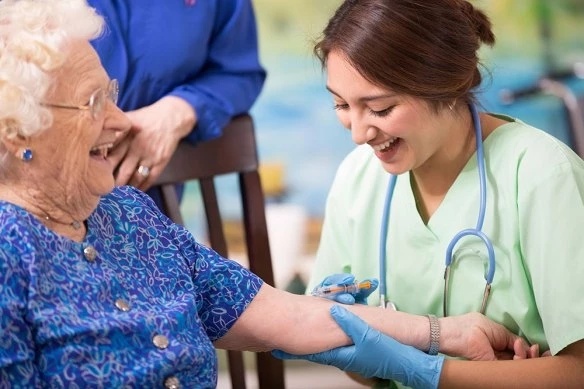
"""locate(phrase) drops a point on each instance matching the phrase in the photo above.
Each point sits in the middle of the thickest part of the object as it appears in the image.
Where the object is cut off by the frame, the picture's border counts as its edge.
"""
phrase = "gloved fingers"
(361, 295)
(374, 284)
(339, 357)
(284, 355)
(351, 324)
(341, 278)
(344, 298)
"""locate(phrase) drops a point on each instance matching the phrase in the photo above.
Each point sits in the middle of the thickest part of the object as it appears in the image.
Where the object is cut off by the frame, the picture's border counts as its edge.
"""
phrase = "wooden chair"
(234, 152)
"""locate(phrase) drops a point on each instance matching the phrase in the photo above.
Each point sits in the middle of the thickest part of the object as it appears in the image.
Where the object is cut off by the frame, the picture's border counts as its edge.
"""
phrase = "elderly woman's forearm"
(301, 324)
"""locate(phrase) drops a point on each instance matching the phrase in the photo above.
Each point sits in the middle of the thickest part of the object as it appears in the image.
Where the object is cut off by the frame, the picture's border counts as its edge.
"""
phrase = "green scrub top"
(534, 217)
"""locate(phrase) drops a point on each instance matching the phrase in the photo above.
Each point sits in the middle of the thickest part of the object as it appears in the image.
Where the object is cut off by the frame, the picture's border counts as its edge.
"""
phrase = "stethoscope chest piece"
(390, 305)
(384, 303)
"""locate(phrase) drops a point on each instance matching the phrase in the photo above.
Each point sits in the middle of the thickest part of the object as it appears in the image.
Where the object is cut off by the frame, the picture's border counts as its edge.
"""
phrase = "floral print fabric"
(147, 307)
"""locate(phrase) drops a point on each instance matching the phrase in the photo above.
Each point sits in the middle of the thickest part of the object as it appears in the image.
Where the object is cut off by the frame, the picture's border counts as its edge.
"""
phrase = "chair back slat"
(214, 220)
(233, 152)
(255, 227)
(171, 205)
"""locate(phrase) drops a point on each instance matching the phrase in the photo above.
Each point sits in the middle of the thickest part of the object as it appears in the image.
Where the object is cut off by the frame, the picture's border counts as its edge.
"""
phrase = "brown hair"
(421, 48)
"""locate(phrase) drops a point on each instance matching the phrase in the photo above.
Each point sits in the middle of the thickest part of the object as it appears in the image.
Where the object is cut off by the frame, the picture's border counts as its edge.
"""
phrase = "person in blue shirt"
(185, 68)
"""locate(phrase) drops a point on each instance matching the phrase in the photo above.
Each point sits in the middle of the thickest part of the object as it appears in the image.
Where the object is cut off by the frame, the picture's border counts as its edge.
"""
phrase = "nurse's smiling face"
(405, 132)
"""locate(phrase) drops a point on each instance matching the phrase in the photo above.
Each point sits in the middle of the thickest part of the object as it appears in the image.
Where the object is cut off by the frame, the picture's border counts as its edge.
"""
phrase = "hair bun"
(480, 21)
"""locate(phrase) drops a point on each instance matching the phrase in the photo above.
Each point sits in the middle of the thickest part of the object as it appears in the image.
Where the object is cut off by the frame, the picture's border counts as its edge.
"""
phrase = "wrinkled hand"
(348, 298)
(473, 336)
(156, 131)
(374, 354)
(534, 353)
(531, 352)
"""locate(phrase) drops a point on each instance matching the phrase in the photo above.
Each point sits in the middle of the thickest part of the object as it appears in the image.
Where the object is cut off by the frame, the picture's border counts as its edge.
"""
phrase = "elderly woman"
(97, 287)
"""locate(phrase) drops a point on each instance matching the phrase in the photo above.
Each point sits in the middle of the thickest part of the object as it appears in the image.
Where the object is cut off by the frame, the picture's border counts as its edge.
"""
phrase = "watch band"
(434, 335)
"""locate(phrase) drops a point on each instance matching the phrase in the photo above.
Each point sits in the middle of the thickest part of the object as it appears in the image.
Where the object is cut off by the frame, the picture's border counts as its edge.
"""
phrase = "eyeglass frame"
(111, 93)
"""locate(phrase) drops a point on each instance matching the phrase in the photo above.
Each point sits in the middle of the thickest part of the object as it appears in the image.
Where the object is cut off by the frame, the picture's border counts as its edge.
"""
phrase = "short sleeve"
(224, 288)
(551, 215)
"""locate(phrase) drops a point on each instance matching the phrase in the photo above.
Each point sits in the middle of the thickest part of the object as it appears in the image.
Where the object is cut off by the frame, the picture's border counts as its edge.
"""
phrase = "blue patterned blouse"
(136, 304)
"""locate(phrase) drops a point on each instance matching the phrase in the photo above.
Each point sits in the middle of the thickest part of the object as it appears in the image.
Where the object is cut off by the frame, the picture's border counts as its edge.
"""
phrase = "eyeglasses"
(97, 100)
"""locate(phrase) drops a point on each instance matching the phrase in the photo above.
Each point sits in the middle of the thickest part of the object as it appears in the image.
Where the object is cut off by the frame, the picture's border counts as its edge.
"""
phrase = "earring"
(451, 105)
(25, 154)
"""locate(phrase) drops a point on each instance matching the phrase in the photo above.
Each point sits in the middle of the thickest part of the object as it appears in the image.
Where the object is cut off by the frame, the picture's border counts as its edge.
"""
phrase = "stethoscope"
(477, 231)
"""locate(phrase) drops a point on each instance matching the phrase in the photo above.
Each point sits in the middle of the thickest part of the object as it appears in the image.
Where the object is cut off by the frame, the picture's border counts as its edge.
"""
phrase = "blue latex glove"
(348, 298)
(376, 355)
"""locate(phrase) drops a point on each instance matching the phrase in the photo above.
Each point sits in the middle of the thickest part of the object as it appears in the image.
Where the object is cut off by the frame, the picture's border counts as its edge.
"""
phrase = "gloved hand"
(374, 354)
(349, 298)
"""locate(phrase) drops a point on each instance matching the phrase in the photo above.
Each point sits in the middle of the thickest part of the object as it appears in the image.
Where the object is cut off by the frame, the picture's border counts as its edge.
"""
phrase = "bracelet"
(434, 335)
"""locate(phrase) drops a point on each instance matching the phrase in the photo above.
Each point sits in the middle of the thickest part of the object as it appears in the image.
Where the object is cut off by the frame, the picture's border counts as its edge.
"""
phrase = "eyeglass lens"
(97, 100)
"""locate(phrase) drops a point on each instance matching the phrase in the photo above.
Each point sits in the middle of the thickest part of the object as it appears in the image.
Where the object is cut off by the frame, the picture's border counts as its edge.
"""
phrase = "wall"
(295, 121)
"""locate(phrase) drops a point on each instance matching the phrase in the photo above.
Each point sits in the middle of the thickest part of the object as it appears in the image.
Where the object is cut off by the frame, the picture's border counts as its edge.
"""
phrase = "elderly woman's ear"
(14, 143)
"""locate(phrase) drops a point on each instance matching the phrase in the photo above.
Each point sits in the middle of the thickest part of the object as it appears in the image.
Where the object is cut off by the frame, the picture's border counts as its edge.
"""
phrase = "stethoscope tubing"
(383, 239)
(467, 232)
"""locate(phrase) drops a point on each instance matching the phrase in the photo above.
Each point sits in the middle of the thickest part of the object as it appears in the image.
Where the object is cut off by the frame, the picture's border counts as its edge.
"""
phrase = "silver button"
(90, 253)
(122, 305)
(171, 383)
(160, 341)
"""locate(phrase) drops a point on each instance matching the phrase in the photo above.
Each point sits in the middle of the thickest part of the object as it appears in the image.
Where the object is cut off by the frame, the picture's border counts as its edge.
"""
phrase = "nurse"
(403, 76)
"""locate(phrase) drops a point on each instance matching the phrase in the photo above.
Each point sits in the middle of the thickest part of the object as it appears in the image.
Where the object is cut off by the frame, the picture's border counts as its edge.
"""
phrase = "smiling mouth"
(101, 151)
(386, 146)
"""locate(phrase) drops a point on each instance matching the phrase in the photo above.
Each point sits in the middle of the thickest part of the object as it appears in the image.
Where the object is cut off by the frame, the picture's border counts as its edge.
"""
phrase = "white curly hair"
(33, 41)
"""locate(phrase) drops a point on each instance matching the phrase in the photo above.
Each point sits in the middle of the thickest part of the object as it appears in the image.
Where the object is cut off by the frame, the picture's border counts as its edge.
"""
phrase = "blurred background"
(301, 143)
(534, 73)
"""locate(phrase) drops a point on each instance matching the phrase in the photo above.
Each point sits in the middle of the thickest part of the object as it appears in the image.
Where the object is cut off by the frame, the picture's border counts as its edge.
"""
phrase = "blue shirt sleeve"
(232, 77)
(205, 53)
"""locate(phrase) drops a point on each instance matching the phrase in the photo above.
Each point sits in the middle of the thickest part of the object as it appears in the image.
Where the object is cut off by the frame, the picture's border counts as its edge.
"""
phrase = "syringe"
(332, 290)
